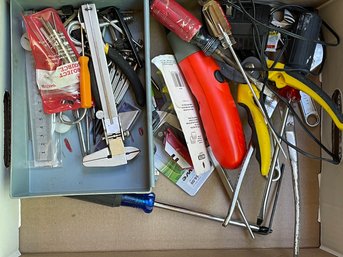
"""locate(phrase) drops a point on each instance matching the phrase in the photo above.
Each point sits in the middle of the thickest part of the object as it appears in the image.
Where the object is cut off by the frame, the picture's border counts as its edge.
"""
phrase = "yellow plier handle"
(260, 135)
(300, 82)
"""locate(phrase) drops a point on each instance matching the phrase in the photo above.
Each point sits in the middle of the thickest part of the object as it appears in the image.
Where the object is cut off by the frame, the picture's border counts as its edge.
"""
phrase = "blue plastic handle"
(141, 201)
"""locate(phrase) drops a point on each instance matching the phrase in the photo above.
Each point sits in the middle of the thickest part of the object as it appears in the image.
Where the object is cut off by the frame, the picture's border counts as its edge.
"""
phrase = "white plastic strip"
(185, 109)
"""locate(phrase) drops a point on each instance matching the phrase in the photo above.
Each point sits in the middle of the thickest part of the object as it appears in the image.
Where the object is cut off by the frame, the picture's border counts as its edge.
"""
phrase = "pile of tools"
(238, 43)
(85, 60)
(209, 55)
(264, 85)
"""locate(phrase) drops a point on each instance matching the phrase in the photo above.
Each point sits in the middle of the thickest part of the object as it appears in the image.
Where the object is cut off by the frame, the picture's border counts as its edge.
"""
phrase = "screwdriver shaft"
(265, 198)
(203, 215)
(228, 40)
(229, 190)
(80, 134)
(146, 202)
(238, 186)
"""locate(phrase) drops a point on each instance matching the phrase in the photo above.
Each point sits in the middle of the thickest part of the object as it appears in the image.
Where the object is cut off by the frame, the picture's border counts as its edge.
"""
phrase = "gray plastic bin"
(73, 178)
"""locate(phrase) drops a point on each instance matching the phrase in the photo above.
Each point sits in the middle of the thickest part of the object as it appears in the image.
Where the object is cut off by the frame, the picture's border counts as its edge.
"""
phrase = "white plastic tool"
(115, 153)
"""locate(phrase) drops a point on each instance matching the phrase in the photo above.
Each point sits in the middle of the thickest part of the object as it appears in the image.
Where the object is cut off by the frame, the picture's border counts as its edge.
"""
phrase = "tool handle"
(107, 200)
(140, 201)
(130, 74)
(176, 18)
(85, 83)
(300, 82)
(260, 136)
(94, 87)
(218, 111)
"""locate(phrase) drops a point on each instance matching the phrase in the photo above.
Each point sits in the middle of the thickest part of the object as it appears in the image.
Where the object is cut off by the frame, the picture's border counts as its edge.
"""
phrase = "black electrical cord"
(259, 48)
(257, 43)
(265, 70)
(335, 159)
(291, 34)
(289, 6)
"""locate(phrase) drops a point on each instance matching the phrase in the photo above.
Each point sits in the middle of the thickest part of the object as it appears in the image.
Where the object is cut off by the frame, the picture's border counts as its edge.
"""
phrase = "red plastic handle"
(176, 18)
(218, 110)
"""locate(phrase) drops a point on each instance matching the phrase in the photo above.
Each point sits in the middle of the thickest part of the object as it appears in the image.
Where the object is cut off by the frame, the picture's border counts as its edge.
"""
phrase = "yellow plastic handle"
(85, 83)
(259, 127)
(300, 82)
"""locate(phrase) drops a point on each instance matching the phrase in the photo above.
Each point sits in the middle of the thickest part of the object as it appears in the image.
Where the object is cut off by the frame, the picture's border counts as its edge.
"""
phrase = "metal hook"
(277, 175)
(83, 114)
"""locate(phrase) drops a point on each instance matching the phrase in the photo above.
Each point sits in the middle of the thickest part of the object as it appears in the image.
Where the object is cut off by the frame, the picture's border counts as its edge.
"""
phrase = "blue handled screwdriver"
(147, 202)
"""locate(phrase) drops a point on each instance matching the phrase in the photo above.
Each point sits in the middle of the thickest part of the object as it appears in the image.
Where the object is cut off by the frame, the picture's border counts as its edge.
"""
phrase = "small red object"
(179, 148)
(290, 93)
(67, 144)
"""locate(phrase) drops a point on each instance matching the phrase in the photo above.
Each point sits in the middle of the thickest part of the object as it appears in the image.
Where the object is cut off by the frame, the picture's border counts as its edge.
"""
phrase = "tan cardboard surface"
(332, 175)
(194, 253)
(68, 225)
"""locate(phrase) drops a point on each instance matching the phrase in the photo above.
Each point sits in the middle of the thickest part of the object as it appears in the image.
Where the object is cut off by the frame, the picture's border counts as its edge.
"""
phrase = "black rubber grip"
(94, 87)
(7, 129)
(130, 74)
(264, 231)
(254, 137)
(107, 200)
(317, 90)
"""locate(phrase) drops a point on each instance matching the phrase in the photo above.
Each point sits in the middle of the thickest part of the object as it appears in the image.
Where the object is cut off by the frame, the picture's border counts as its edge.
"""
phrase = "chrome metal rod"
(80, 134)
(203, 215)
(229, 190)
(262, 213)
(290, 135)
(244, 74)
(238, 186)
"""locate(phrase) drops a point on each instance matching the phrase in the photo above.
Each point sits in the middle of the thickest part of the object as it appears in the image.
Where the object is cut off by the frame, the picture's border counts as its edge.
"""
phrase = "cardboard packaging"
(58, 226)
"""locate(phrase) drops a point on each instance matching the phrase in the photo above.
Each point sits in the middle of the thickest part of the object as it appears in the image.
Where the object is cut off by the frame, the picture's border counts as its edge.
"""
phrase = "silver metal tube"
(241, 69)
(238, 186)
(80, 134)
(290, 135)
(265, 198)
(88, 136)
(202, 215)
(229, 190)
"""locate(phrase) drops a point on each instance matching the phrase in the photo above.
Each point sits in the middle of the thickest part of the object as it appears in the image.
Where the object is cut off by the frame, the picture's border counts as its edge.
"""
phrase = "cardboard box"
(66, 227)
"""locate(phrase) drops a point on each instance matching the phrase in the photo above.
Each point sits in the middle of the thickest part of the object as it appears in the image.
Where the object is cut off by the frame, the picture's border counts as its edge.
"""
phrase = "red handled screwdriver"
(184, 24)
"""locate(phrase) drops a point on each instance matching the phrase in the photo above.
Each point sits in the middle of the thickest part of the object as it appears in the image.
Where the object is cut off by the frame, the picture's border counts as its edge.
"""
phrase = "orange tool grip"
(85, 83)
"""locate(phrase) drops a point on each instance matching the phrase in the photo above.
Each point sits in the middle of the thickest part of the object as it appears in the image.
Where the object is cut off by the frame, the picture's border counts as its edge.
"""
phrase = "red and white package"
(56, 58)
